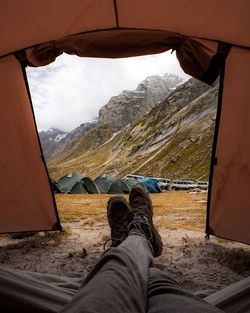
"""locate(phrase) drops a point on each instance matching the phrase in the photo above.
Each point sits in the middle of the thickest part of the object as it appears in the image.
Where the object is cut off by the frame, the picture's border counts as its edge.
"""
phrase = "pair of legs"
(124, 280)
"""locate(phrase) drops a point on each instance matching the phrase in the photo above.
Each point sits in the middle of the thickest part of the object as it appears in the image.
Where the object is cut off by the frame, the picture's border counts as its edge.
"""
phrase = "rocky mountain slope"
(120, 111)
(130, 105)
(55, 140)
(50, 140)
(173, 140)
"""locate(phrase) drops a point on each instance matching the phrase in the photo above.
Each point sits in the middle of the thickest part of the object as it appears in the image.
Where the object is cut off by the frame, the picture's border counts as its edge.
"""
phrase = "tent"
(130, 182)
(108, 184)
(71, 183)
(150, 184)
(209, 37)
(76, 183)
(127, 184)
(113, 185)
(123, 185)
(89, 185)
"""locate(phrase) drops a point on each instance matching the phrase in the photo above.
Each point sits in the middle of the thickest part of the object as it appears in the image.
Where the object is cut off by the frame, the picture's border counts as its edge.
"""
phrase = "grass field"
(172, 210)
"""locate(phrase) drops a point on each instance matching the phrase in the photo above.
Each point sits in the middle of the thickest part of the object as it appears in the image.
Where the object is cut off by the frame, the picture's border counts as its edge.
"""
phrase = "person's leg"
(142, 208)
(28, 292)
(166, 295)
(118, 283)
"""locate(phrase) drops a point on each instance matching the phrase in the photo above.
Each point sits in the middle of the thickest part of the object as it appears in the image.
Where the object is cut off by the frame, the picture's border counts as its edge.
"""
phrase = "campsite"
(75, 183)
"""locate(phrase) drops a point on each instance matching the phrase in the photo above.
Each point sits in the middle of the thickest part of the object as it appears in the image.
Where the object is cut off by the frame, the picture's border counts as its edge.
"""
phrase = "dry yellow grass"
(77, 207)
(172, 210)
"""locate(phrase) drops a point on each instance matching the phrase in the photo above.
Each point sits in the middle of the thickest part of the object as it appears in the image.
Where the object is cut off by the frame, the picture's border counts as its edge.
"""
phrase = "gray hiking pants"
(123, 281)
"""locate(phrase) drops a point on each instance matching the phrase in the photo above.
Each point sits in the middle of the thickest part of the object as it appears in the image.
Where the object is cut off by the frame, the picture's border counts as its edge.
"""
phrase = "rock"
(130, 106)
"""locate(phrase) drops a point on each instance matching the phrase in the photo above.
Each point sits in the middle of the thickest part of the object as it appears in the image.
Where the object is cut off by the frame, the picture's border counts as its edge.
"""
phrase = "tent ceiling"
(194, 55)
(38, 21)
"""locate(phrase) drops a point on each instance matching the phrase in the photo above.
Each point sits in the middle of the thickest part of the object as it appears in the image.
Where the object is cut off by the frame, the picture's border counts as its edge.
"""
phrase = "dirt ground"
(199, 264)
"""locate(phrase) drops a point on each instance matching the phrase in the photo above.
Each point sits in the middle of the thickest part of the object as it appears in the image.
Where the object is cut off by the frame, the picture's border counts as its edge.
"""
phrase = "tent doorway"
(63, 89)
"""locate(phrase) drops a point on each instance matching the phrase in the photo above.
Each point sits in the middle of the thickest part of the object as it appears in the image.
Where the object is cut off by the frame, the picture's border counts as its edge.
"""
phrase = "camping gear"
(37, 32)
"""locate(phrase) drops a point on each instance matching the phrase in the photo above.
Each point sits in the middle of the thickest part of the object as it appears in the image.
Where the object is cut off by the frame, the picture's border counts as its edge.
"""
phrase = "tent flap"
(195, 56)
(26, 198)
(229, 214)
(39, 21)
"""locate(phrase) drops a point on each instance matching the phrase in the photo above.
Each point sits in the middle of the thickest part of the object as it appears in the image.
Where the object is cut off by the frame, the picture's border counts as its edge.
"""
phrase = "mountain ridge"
(116, 114)
(173, 140)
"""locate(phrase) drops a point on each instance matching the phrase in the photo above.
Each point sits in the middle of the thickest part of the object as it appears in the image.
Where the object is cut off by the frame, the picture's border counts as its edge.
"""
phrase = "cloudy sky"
(71, 90)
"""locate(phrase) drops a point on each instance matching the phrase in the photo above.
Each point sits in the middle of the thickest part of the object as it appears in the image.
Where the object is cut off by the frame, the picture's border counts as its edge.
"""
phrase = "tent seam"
(116, 14)
(213, 162)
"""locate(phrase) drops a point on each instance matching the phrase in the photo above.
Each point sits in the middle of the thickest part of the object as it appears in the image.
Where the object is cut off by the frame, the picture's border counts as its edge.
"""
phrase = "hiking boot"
(119, 217)
(142, 223)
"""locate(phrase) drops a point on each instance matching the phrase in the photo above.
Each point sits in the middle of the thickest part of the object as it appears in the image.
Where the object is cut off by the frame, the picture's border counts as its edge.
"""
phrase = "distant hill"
(55, 140)
(172, 138)
(50, 139)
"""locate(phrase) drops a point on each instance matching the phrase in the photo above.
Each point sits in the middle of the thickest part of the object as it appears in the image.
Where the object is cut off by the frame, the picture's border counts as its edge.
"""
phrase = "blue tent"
(150, 184)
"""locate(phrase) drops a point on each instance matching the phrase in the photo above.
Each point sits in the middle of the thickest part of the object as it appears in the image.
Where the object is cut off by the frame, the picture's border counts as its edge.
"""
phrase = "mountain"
(120, 111)
(55, 140)
(173, 139)
(50, 139)
(130, 105)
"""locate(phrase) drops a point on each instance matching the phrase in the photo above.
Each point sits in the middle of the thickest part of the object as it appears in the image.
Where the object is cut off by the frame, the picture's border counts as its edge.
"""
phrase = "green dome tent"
(108, 184)
(130, 182)
(71, 183)
(89, 185)
(113, 185)
(123, 185)
(77, 184)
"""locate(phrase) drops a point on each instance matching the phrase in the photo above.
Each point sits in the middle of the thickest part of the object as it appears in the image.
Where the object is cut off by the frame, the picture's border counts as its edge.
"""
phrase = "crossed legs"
(124, 281)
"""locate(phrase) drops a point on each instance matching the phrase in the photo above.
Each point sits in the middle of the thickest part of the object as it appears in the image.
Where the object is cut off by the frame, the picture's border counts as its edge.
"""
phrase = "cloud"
(71, 90)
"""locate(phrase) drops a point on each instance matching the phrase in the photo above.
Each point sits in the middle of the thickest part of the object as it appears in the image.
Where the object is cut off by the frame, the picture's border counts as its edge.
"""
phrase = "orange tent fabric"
(230, 197)
(201, 32)
(40, 21)
(25, 197)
